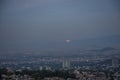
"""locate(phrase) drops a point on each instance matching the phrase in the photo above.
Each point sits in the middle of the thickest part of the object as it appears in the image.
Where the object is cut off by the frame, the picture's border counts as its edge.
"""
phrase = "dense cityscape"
(59, 39)
(69, 67)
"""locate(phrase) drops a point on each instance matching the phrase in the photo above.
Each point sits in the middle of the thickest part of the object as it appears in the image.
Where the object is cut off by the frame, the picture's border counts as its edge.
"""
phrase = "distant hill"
(107, 49)
(108, 42)
(103, 43)
(104, 49)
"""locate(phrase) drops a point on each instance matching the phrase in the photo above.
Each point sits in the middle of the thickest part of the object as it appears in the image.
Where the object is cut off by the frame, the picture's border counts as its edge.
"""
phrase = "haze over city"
(40, 23)
(59, 39)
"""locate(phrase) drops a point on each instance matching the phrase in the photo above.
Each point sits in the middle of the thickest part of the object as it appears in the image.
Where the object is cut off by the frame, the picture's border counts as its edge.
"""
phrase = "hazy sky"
(40, 21)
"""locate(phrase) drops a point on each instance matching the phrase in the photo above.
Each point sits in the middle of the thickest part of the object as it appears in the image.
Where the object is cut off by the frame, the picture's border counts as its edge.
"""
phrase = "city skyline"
(59, 39)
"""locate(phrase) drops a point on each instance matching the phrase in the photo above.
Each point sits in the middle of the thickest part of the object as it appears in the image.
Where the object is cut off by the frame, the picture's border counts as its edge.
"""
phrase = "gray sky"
(41, 21)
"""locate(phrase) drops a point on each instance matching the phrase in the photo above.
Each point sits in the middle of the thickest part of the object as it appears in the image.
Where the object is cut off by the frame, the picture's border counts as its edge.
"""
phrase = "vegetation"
(41, 73)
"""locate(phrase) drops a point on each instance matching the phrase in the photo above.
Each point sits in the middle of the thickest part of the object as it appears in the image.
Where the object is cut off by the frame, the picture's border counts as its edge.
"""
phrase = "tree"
(0, 76)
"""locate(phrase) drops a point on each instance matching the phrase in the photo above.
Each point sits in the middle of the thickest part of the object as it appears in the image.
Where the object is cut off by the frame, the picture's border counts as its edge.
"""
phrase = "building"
(66, 63)
(115, 62)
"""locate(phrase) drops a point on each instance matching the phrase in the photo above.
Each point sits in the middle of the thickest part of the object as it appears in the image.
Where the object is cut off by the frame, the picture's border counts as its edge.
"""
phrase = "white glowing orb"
(68, 40)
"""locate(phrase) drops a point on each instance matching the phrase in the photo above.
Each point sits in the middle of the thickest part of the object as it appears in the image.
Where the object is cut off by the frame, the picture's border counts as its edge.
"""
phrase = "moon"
(68, 40)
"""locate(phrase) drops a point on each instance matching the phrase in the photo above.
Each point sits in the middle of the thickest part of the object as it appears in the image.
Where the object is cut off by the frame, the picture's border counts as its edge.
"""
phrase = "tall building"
(66, 63)
(115, 62)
